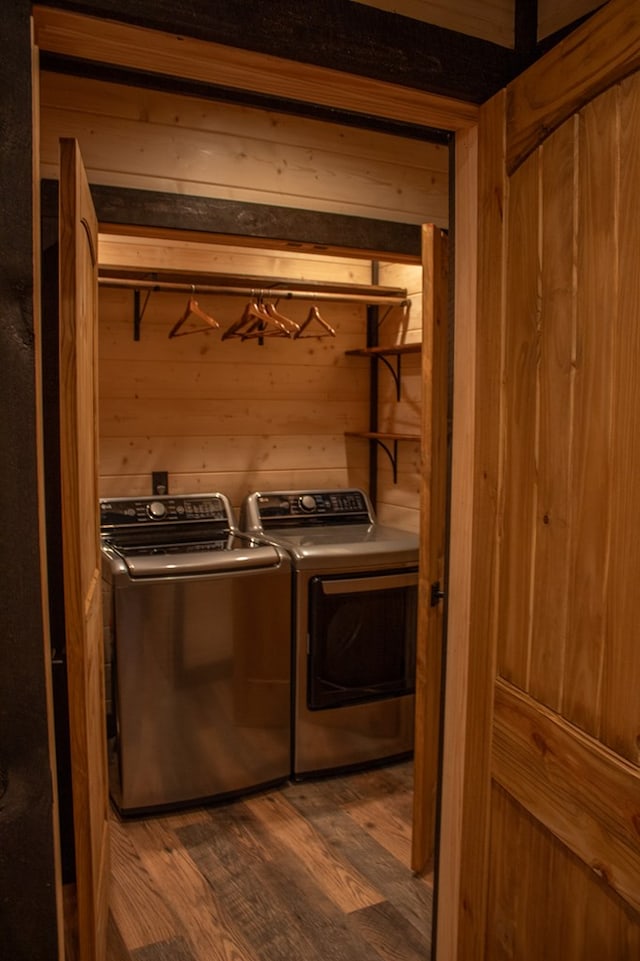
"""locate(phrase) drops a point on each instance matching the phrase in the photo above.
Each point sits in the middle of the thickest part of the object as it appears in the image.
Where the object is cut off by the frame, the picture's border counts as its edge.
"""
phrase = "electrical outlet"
(159, 482)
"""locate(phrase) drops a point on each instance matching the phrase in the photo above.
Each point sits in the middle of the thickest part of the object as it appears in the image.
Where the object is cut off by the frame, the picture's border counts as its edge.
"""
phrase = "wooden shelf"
(387, 441)
(384, 351)
(379, 435)
(382, 439)
(381, 353)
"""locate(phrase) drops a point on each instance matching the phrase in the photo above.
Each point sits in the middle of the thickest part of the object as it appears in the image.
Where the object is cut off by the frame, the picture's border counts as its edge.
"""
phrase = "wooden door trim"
(551, 767)
(447, 883)
(433, 536)
(540, 99)
(486, 499)
(122, 45)
(79, 508)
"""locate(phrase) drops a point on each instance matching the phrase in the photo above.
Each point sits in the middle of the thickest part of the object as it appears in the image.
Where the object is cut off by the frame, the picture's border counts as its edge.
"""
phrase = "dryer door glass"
(362, 638)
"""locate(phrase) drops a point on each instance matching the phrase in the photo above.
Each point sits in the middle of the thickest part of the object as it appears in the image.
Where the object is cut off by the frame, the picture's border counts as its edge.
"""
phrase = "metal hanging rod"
(391, 300)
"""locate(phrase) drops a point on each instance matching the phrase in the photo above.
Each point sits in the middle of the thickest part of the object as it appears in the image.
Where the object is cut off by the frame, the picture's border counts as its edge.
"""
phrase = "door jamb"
(459, 575)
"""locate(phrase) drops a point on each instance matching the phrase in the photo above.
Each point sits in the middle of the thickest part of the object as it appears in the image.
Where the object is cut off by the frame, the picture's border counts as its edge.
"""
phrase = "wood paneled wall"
(230, 415)
(236, 416)
(158, 141)
(397, 502)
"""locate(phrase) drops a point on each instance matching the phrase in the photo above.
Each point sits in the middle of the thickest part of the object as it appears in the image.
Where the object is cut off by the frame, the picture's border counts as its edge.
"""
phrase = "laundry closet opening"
(192, 391)
(209, 412)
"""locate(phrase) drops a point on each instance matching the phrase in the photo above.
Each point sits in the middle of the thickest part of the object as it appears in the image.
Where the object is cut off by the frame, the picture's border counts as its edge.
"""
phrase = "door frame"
(117, 46)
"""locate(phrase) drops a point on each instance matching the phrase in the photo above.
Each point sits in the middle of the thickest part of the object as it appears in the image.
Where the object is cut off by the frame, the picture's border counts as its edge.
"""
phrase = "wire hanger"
(314, 316)
(193, 309)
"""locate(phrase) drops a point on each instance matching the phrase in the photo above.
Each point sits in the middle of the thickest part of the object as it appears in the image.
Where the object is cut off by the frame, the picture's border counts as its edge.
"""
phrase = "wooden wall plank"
(620, 702)
(585, 795)
(556, 373)
(521, 412)
(188, 114)
(545, 96)
(225, 453)
(247, 168)
(228, 384)
(163, 416)
(591, 457)
(156, 254)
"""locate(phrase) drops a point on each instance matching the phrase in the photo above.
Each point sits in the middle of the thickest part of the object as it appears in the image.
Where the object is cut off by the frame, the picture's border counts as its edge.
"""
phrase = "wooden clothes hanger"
(290, 325)
(314, 316)
(260, 321)
(250, 316)
(193, 309)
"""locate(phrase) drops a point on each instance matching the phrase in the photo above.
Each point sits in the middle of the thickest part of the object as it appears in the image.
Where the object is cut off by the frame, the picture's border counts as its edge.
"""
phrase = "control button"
(156, 509)
(307, 502)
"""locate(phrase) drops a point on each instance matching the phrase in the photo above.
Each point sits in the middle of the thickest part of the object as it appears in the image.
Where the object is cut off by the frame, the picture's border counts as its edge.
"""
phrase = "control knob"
(307, 503)
(156, 510)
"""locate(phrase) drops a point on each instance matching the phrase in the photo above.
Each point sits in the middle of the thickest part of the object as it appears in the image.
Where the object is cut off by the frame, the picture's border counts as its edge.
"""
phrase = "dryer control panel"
(267, 510)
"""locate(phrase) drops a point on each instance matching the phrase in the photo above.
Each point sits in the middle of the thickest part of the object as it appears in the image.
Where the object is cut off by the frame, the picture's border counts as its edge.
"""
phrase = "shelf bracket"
(138, 312)
(393, 458)
(394, 371)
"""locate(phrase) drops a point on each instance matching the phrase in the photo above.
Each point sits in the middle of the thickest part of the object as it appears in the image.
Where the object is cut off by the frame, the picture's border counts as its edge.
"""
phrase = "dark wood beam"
(309, 230)
(338, 34)
(526, 33)
(27, 862)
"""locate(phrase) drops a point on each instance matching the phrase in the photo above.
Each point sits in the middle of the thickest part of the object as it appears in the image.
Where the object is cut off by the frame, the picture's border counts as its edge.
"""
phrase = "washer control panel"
(310, 507)
(118, 512)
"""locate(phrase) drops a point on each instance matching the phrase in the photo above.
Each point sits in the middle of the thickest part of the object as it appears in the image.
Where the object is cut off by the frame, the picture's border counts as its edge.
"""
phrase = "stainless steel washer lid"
(178, 561)
(177, 536)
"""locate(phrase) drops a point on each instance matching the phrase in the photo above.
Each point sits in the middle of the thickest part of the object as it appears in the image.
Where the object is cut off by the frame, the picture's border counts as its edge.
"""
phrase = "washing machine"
(197, 641)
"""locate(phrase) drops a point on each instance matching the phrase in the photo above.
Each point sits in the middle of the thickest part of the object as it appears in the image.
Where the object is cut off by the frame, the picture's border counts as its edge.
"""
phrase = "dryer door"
(362, 637)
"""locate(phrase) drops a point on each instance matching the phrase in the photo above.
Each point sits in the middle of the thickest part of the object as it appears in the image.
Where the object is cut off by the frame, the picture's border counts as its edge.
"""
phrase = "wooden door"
(81, 550)
(433, 495)
(550, 824)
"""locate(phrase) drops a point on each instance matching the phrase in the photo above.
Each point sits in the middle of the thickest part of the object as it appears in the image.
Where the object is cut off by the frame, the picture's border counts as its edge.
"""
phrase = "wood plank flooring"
(311, 871)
